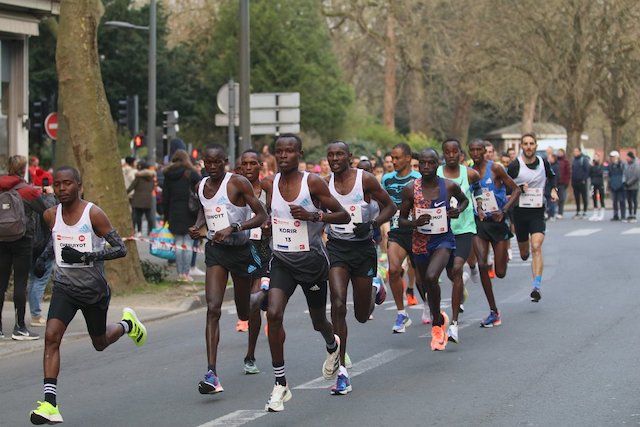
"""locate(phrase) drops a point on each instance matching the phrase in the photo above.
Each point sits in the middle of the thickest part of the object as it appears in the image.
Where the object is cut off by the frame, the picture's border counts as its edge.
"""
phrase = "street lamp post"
(151, 100)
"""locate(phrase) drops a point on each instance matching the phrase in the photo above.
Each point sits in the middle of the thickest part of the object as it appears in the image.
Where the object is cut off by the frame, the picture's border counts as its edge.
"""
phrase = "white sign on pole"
(222, 120)
(274, 129)
(223, 97)
(266, 117)
(275, 100)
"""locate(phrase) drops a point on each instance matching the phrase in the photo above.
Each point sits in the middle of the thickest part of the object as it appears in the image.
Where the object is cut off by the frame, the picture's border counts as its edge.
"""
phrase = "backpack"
(13, 220)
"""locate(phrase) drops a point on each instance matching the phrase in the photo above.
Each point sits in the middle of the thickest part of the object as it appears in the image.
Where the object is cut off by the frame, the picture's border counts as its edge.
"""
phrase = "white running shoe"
(332, 362)
(452, 332)
(195, 271)
(279, 395)
(426, 314)
(594, 216)
(475, 275)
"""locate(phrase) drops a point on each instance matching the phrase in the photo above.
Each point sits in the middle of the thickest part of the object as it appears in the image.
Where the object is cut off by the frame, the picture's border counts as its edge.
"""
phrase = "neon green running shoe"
(138, 332)
(45, 413)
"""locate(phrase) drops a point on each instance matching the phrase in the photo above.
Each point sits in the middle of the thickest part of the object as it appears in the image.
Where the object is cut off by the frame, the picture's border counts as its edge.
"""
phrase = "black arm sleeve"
(514, 169)
(116, 249)
(552, 179)
(476, 190)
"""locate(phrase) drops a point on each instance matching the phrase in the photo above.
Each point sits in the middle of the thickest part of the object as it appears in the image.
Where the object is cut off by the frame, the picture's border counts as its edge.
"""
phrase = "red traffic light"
(138, 141)
(195, 153)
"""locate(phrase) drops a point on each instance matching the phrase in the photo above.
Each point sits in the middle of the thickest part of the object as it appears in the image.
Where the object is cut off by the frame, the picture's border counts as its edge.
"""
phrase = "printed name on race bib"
(216, 218)
(532, 198)
(290, 235)
(438, 223)
(489, 202)
(81, 242)
(355, 212)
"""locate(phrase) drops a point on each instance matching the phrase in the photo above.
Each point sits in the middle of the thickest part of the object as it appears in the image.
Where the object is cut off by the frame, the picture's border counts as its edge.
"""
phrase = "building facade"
(19, 20)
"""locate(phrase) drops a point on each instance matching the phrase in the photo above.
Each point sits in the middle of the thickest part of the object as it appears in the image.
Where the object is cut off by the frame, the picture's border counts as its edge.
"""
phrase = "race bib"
(437, 224)
(394, 220)
(256, 233)
(216, 218)
(489, 202)
(532, 198)
(289, 235)
(81, 242)
(355, 212)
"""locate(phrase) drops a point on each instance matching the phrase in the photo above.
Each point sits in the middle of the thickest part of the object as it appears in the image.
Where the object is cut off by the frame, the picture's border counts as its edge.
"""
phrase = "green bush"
(153, 272)
(420, 141)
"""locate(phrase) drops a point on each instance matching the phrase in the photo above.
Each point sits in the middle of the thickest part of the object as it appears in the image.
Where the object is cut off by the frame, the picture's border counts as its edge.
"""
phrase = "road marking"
(632, 231)
(358, 368)
(581, 232)
(236, 419)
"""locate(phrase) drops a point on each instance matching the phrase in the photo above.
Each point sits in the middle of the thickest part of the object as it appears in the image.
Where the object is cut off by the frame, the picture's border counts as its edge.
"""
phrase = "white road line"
(632, 231)
(236, 419)
(358, 368)
(581, 232)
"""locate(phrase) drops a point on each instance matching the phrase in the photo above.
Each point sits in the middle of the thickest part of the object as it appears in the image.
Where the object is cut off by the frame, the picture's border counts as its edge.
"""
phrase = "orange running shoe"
(411, 299)
(438, 334)
(492, 273)
(242, 326)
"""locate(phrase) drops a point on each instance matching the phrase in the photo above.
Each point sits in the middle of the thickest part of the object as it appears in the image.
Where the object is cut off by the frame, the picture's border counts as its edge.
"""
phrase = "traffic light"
(128, 113)
(195, 153)
(138, 141)
(39, 111)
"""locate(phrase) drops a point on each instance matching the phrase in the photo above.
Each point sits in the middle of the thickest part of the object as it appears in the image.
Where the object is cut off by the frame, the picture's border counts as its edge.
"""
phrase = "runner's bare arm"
(454, 190)
(245, 188)
(320, 191)
(387, 207)
(406, 205)
(501, 174)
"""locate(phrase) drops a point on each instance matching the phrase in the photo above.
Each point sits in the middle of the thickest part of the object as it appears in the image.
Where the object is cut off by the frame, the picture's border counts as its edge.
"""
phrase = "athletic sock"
(409, 291)
(126, 325)
(376, 283)
(50, 390)
(403, 312)
(278, 371)
(537, 281)
(212, 369)
(331, 348)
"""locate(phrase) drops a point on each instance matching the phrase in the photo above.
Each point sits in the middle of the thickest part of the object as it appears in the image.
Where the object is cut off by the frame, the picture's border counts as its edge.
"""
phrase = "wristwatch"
(315, 217)
(236, 226)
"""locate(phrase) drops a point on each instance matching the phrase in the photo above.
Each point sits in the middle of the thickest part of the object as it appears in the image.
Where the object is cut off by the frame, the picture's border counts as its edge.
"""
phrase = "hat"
(631, 155)
(364, 158)
(614, 153)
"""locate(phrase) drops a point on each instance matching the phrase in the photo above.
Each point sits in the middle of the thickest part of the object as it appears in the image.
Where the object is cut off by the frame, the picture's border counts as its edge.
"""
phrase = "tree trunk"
(86, 135)
(390, 64)
(573, 138)
(529, 113)
(616, 134)
(462, 118)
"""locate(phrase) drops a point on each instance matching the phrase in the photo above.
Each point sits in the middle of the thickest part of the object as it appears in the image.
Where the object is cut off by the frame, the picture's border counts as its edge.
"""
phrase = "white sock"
(403, 312)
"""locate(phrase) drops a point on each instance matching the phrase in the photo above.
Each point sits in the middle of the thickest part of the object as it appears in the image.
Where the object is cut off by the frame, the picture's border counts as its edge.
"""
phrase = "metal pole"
(151, 106)
(232, 124)
(245, 116)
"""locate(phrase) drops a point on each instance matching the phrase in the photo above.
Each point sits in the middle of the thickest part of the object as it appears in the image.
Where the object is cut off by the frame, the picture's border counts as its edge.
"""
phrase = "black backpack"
(13, 219)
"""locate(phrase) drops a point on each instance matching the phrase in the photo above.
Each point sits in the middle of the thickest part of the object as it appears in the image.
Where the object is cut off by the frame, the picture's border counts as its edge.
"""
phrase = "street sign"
(222, 120)
(275, 100)
(223, 97)
(266, 117)
(51, 125)
(274, 129)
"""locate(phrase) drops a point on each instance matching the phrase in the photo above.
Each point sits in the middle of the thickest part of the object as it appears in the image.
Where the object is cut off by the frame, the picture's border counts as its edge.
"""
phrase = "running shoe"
(426, 314)
(342, 385)
(242, 326)
(347, 361)
(332, 362)
(535, 294)
(492, 320)
(138, 332)
(210, 384)
(195, 271)
(452, 332)
(23, 334)
(475, 276)
(402, 321)
(465, 277)
(465, 295)
(250, 367)
(438, 334)
(45, 413)
(411, 299)
(381, 295)
(38, 321)
(279, 395)
(492, 273)
(1, 335)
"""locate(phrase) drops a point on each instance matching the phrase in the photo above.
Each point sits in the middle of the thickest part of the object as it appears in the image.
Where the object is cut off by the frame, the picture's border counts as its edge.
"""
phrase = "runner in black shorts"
(226, 204)
(79, 281)
(531, 173)
(352, 252)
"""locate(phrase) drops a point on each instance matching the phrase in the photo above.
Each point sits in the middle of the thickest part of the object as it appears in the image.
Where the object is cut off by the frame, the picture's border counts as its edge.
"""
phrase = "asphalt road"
(570, 360)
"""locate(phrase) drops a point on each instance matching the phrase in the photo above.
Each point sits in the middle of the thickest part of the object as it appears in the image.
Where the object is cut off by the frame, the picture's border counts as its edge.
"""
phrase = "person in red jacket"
(564, 178)
(16, 255)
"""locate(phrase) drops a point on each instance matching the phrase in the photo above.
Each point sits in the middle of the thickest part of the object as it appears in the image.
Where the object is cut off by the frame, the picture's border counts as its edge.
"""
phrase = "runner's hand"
(453, 212)
(298, 212)
(361, 229)
(497, 216)
(72, 256)
(40, 267)
(423, 219)
(194, 233)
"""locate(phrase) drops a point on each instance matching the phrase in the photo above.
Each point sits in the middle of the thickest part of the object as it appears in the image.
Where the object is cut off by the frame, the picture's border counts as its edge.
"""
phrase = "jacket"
(616, 176)
(175, 198)
(564, 177)
(632, 176)
(580, 169)
(596, 173)
(31, 196)
(142, 187)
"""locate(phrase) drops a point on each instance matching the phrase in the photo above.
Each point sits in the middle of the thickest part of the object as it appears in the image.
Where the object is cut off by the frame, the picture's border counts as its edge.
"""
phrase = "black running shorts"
(239, 260)
(404, 239)
(464, 243)
(285, 278)
(358, 257)
(64, 307)
(527, 222)
(493, 231)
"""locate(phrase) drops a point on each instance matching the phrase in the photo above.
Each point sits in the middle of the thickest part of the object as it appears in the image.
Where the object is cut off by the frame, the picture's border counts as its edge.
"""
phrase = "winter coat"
(555, 167)
(564, 177)
(580, 169)
(142, 187)
(616, 176)
(632, 176)
(31, 196)
(129, 174)
(175, 198)
(596, 173)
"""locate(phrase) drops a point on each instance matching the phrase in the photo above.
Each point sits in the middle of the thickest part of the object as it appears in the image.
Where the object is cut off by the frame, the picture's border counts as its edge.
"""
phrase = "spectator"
(631, 185)
(142, 197)
(616, 185)
(15, 255)
(596, 174)
(388, 163)
(325, 170)
(179, 177)
(129, 171)
(579, 177)
(269, 163)
(564, 178)
(551, 205)
(37, 175)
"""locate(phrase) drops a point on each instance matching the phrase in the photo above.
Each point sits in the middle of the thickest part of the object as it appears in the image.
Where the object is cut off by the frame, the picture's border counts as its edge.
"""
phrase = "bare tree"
(87, 137)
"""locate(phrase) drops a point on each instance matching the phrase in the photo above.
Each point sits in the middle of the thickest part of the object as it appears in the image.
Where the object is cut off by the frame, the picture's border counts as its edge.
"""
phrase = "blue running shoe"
(492, 320)
(342, 386)
(402, 321)
(210, 384)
